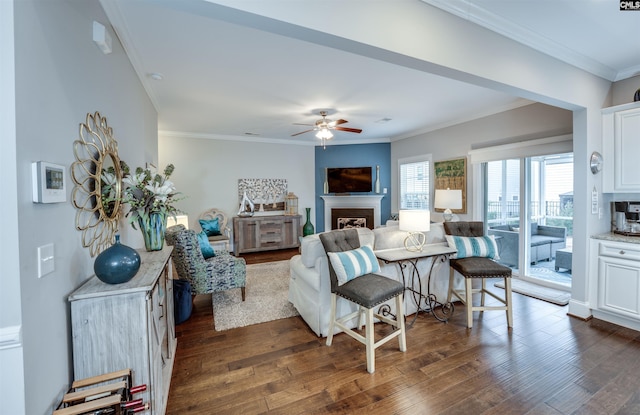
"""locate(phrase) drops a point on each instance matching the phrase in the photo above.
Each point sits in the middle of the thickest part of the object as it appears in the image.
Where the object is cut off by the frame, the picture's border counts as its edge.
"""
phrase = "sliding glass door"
(533, 194)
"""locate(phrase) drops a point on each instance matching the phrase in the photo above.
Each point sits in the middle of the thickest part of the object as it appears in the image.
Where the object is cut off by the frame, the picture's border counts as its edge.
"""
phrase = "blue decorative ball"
(117, 264)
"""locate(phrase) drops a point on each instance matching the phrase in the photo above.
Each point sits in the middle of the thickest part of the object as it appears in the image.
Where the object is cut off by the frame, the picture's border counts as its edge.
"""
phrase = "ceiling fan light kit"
(324, 126)
(324, 134)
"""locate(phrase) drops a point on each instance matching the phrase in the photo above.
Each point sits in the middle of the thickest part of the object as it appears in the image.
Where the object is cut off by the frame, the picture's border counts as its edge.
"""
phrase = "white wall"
(207, 171)
(528, 122)
(61, 76)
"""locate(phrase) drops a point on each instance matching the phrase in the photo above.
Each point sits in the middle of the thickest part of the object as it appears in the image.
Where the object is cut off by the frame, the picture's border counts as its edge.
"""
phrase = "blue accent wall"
(354, 155)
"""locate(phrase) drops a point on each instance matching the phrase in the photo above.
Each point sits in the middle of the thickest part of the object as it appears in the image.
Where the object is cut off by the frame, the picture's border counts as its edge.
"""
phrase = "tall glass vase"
(307, 229)
(153, 228)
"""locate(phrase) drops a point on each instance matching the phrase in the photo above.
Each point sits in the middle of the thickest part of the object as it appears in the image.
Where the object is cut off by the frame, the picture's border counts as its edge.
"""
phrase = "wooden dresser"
(264, 233)
(128, 325)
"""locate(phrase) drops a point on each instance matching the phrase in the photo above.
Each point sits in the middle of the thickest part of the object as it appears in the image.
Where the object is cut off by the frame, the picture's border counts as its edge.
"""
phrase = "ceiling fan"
(324, 127)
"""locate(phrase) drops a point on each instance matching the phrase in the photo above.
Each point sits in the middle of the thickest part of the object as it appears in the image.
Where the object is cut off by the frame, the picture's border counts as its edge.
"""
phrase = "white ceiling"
(254, 84)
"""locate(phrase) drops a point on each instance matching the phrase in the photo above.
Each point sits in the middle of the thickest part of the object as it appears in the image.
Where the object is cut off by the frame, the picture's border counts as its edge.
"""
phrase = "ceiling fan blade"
(350, 130)
(301, 132)
(340, 121)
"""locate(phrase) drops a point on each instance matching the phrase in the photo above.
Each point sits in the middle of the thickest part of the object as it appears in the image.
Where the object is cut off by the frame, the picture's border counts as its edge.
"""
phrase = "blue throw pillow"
(205, 246)
(470, 246)
(210, 226)
(355, 263)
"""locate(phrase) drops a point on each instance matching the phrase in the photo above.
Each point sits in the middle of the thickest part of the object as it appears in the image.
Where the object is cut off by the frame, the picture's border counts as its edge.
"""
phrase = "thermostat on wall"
(48, 182)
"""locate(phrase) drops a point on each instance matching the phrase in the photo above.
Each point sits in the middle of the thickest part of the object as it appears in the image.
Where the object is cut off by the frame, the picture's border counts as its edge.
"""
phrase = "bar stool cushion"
(369, 290)
(475, 267)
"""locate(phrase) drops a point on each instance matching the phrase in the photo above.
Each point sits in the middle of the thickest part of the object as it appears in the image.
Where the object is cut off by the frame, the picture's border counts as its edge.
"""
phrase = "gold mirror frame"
(98, 184)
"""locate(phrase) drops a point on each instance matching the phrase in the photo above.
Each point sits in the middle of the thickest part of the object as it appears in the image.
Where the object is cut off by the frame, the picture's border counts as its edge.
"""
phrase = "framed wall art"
(452, 174)
(266, 194)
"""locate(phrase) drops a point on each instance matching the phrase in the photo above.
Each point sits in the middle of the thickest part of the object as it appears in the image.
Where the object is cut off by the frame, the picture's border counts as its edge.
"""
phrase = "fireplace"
(356, 204)
(343, 218)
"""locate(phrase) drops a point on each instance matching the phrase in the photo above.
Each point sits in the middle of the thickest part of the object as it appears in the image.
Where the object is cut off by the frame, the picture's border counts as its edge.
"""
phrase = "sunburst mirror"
(98, 183)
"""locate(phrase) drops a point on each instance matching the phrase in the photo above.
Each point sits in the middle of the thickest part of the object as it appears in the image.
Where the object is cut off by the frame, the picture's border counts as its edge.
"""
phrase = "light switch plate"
(46, 260)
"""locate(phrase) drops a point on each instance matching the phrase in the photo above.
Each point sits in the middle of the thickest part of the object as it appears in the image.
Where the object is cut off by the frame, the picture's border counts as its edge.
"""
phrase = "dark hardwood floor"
(548, 364)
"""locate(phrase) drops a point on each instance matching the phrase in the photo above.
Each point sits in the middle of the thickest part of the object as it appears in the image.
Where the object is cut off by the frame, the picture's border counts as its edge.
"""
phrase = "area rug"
(538, 291)
(267, 290)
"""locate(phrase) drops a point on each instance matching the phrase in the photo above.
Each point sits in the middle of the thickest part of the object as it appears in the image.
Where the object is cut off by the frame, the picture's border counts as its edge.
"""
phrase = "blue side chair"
(219, 273)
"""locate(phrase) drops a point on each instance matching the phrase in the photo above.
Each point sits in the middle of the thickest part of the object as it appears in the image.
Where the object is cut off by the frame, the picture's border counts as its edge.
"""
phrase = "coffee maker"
(625, 218)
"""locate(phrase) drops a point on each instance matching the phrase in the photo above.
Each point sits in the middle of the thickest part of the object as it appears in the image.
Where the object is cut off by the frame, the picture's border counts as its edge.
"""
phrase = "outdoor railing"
(555, 214)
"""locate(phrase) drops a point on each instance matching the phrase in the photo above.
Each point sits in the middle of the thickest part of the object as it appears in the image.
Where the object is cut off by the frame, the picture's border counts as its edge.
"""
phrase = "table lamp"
(448, 199)
(415, 222)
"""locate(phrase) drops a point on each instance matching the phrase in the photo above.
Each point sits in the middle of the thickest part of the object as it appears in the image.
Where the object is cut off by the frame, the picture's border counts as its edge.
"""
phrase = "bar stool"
(477, 267)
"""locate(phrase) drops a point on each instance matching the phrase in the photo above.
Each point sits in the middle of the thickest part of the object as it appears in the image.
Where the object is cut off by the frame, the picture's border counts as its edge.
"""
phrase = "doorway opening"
(533, 194)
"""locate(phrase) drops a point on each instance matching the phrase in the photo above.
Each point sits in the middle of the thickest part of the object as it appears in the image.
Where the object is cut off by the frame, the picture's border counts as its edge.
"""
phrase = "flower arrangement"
(151, 197)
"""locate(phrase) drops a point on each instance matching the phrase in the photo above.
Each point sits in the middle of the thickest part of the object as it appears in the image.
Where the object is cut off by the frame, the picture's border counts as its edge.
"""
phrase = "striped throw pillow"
(352, 264)
(478, 246)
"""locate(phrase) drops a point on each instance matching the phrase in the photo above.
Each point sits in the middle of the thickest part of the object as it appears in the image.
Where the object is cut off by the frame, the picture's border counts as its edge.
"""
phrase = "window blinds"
(414, 185)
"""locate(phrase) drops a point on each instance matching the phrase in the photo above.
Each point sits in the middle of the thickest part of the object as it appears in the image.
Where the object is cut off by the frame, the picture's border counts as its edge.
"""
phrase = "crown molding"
(238, 138)
(471, 12)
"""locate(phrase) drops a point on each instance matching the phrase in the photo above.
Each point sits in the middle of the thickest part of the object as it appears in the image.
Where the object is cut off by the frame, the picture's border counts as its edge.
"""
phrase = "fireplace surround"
(351, 202)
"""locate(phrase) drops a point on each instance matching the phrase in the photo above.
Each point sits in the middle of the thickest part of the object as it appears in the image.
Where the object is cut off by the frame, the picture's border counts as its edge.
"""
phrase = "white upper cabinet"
(621, 148)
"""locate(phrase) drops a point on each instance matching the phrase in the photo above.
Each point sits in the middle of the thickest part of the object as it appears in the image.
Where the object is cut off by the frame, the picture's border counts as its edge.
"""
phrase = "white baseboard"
(579, 309)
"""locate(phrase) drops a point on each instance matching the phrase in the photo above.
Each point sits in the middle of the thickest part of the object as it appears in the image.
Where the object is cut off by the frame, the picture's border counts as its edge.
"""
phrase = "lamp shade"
(448, 199)
(415, 220)
(179, 220)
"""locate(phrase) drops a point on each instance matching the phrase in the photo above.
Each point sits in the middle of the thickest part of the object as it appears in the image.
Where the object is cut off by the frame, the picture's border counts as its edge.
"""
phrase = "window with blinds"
(415, 178)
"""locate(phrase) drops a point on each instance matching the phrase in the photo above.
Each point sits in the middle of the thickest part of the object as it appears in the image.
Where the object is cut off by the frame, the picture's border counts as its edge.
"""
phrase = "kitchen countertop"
(610, 236)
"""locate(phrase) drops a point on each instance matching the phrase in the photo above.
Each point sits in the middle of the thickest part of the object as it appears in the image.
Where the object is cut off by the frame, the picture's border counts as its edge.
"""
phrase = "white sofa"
(309, 285)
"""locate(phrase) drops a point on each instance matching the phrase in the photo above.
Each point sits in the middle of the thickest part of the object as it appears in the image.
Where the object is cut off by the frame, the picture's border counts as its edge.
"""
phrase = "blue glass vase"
(117, 264)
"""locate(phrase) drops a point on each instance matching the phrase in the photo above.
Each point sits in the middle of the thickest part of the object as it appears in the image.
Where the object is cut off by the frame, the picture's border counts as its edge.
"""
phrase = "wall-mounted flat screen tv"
(349, 179)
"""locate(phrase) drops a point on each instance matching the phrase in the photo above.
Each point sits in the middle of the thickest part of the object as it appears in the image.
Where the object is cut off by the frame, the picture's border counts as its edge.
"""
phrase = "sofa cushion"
(473, 246)
(537, 240)
(387, 237)
(352, 264)
(390, 236)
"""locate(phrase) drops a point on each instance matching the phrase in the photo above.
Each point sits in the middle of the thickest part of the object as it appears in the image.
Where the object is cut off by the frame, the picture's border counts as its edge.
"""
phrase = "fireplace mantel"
(365, 202)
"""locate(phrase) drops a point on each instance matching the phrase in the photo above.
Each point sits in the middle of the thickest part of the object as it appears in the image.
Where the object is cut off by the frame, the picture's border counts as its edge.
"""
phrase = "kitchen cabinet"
(615, 283)
(264, 233)
(128, 325)
(621, 135)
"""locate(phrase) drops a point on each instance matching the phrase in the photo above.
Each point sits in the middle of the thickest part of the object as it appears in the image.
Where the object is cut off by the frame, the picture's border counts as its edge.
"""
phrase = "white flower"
(161, 192)
(108, 178)
(134, 180)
